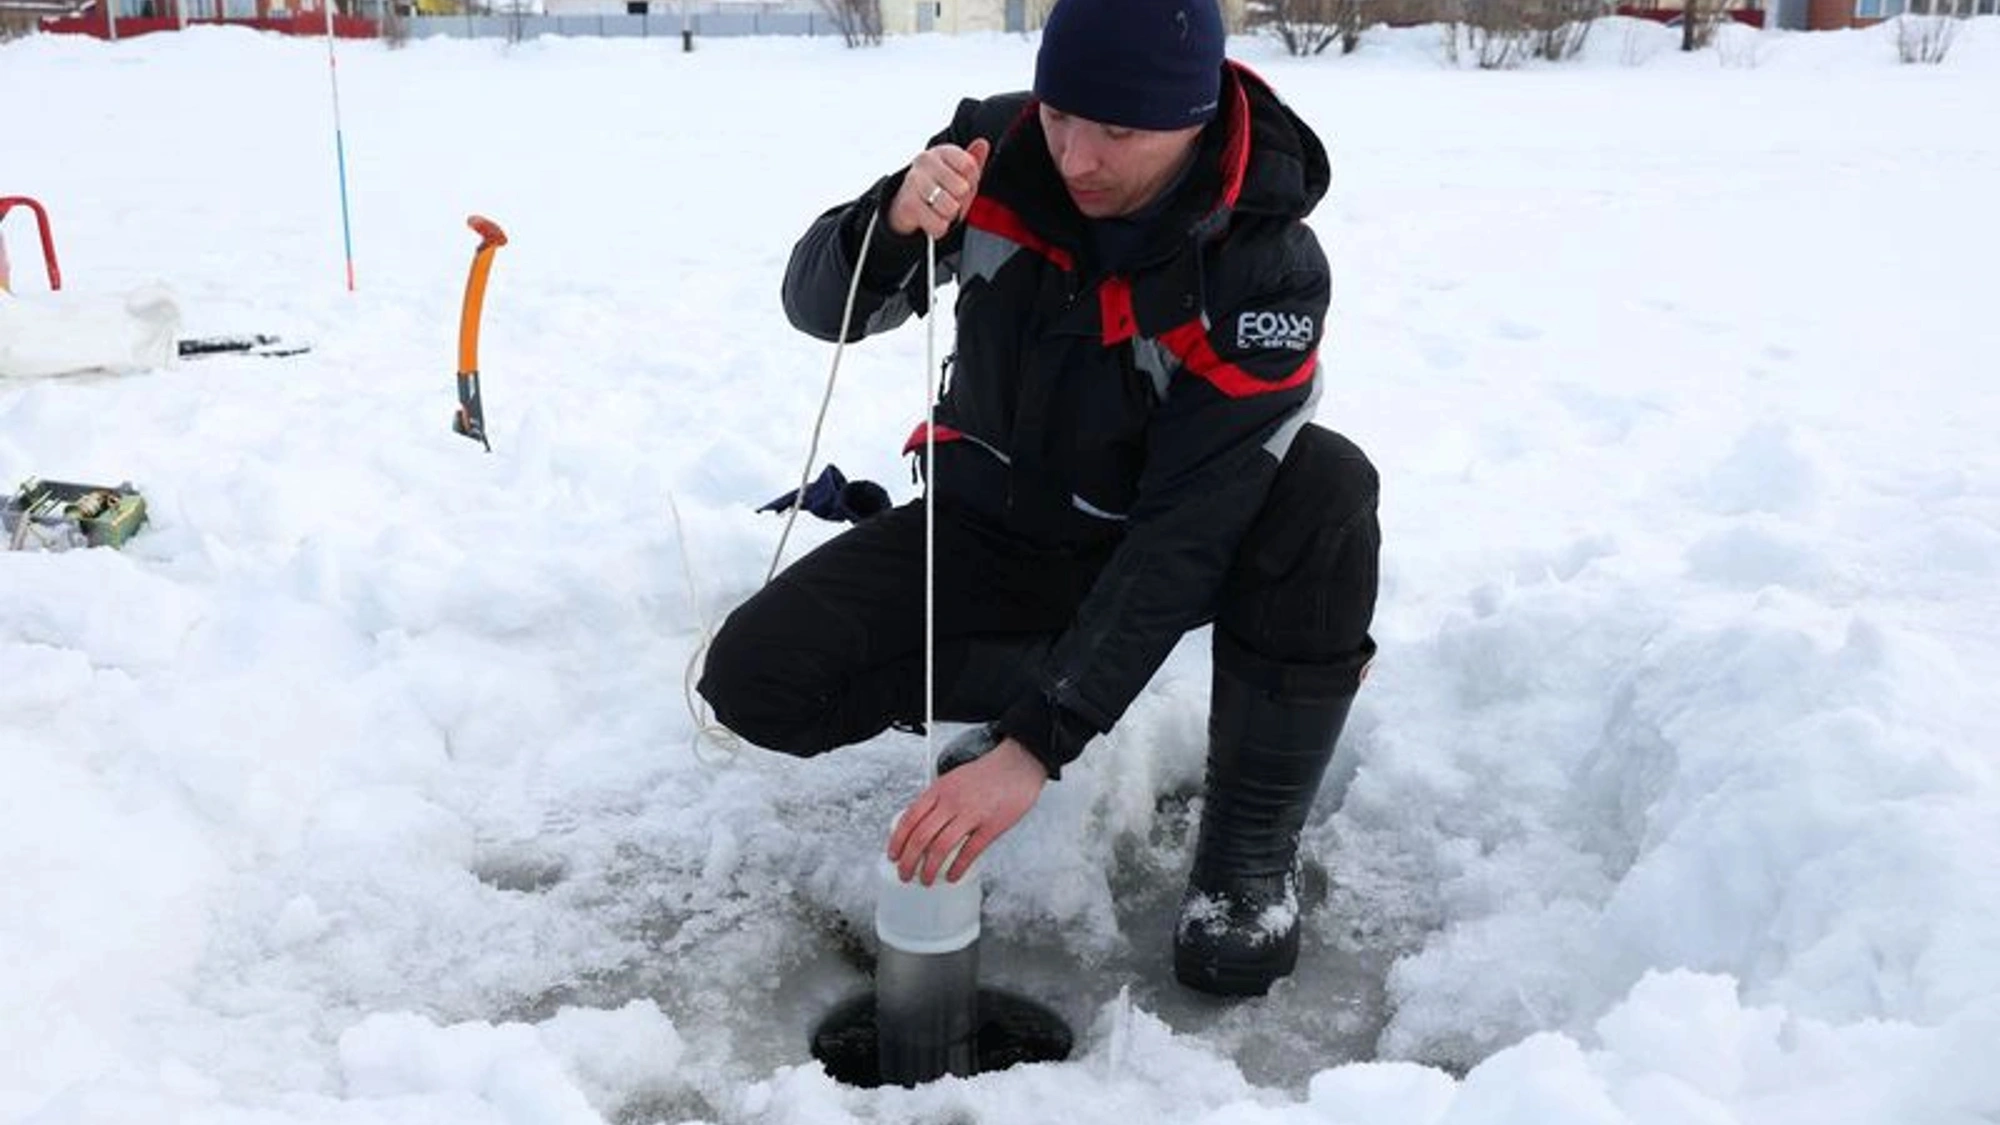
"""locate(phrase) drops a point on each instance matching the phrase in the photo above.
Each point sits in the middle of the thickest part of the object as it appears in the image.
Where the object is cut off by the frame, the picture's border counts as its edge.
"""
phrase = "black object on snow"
(260, 344)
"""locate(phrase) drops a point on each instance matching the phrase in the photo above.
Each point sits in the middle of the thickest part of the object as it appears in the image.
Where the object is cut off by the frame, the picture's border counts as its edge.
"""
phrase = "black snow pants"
(830, 652)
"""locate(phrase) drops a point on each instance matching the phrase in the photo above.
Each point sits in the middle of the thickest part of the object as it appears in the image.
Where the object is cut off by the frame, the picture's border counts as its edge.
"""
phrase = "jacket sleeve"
(892, 279)
(1240, 384)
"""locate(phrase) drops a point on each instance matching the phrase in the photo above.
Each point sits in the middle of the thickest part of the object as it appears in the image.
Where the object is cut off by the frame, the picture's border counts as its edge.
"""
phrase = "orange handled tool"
(471, 417)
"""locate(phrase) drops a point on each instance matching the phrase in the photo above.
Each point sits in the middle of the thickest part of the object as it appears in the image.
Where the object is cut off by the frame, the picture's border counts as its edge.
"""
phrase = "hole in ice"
(1011, 1030)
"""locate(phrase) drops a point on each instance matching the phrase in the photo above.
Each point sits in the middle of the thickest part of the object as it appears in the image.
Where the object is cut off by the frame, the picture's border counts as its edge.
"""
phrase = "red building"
(122, 19)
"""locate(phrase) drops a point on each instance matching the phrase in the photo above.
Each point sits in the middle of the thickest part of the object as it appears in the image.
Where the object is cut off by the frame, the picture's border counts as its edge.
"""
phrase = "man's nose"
(1079, 157)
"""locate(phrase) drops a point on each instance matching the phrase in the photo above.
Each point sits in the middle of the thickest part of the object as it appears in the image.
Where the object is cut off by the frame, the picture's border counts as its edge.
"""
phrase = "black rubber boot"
(1272, 729)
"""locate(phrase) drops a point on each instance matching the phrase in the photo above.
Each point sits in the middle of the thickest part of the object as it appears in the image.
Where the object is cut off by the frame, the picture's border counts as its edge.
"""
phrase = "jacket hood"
(1272, 161)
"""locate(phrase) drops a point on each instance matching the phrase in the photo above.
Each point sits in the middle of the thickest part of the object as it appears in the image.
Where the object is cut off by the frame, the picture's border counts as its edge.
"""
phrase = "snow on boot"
(1272, 729)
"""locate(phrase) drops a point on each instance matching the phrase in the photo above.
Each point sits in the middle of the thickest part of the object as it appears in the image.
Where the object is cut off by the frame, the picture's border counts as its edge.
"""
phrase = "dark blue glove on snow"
(834, 497)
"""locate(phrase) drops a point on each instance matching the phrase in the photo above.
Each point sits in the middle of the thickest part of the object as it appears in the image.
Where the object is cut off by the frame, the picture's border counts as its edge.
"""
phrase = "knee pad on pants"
(1304, 582)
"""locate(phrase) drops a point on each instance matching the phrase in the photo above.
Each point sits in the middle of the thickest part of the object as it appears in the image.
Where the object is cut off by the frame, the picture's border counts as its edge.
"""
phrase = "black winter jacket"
(1144, 412)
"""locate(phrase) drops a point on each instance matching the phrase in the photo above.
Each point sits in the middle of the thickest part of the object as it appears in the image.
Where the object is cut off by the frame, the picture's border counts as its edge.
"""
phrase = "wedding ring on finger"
(931, 197)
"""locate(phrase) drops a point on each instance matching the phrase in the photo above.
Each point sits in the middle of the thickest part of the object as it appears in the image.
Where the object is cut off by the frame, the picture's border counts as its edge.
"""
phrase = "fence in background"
(664, 25)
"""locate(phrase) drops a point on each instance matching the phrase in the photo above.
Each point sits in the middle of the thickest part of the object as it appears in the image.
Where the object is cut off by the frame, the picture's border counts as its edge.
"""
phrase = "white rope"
(704, 721)
(705, 725)
(930, 508)
(826, 400)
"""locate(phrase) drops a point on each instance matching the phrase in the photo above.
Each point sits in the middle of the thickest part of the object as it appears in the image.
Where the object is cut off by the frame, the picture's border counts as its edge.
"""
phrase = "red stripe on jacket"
(916, 442)
(1114, 305)
(1189, 343)
(995, 218)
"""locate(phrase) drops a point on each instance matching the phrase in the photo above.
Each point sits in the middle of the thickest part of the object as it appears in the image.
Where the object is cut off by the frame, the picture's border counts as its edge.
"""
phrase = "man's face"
(1110, 170)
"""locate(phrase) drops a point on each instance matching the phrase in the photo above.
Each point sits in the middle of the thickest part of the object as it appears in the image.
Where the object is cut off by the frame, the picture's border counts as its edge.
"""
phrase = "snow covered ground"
(361, 787)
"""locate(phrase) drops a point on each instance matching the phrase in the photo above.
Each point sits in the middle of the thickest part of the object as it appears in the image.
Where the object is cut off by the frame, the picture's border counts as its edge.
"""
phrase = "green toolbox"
(53, 515)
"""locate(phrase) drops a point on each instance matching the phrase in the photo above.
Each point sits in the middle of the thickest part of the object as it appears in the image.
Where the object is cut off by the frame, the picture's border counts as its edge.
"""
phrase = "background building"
(958, 17)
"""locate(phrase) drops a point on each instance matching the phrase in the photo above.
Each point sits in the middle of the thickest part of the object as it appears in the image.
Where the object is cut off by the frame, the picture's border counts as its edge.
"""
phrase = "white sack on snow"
(66, 333)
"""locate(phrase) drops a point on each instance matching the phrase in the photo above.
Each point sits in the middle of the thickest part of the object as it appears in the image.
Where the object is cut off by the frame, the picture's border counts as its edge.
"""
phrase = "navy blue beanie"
(1140, 64)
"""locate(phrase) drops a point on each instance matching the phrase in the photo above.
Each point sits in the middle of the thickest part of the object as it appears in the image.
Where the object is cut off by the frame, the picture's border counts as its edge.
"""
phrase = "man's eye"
(1117, 134)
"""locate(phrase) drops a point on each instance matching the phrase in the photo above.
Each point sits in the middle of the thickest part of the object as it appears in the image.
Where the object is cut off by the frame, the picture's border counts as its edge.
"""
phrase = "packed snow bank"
(64, 333)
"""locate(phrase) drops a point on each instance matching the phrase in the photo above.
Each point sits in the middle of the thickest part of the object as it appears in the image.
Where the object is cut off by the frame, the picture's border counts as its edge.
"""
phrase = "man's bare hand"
(938, 188)
(975, 804)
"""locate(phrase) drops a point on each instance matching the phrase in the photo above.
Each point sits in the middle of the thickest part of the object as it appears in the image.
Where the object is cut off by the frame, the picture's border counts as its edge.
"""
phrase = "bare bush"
(1486, 32)
(1352, 22)
(1925, 39)
(14, 25)
(1309, 27)
(1562, 27)
(859, 21)
(1503, 34)
(1699, 19)
(1408, 13)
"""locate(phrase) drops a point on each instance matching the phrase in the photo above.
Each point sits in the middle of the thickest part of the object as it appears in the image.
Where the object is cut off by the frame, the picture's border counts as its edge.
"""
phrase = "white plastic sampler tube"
(927, 976)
